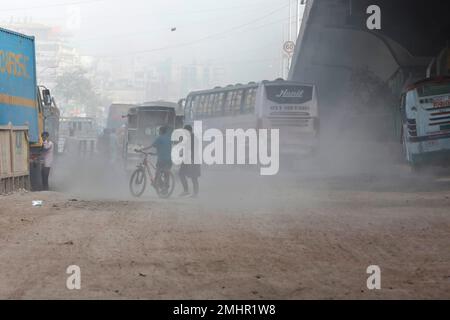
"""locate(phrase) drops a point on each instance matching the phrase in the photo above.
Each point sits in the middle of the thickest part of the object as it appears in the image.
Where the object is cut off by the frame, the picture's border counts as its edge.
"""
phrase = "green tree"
(77, 91)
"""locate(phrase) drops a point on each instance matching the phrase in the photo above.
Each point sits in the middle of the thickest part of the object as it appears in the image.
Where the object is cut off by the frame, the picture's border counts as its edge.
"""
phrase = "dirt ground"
(245, 237)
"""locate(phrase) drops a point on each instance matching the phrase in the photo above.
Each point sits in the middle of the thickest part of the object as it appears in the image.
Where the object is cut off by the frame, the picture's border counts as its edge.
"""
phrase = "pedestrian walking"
(191, 170)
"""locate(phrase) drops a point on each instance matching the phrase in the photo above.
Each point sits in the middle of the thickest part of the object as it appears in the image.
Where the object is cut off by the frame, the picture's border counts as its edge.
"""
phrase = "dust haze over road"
(311, 234)
(311, 231)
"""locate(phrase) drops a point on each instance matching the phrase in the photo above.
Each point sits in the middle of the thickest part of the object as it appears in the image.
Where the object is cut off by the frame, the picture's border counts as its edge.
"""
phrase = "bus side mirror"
(47, 97)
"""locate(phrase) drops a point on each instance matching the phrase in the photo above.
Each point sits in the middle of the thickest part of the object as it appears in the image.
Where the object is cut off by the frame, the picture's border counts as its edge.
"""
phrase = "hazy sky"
(244, 36)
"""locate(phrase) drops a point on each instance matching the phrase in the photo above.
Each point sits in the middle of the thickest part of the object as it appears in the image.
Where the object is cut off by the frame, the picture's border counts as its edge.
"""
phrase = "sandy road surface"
(270, 238)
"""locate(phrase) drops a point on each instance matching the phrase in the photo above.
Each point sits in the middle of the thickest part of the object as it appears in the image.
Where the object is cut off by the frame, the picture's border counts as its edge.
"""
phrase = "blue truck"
(22, 101)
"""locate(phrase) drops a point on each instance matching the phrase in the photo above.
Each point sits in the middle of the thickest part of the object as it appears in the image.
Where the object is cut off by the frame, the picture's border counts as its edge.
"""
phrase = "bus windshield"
(433, 89)
(143, 126)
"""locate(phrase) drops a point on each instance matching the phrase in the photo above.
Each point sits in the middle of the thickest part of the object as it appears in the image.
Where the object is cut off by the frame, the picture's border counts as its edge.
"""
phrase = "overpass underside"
(334, 43)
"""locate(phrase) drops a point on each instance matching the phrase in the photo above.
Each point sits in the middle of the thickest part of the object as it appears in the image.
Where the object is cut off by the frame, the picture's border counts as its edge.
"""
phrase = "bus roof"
(160, 103)
(246, 86)
(417, 84)
(118, 105)
(222, 89)
(135, 110)
(116, 108)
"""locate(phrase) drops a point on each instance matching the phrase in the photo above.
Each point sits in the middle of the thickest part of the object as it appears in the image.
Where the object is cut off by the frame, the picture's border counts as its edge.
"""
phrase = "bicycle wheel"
(164, 189)
(138, 182)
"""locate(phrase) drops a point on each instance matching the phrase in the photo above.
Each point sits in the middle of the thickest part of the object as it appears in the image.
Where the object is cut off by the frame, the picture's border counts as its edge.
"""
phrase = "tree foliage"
(77, 91)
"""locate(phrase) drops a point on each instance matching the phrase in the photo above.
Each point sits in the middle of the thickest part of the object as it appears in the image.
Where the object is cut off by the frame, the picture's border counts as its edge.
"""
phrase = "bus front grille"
(440, 117)
(290, 122)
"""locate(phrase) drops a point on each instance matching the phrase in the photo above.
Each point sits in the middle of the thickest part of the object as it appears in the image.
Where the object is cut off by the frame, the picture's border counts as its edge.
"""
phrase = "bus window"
(188, 108)
(236, 104)
(195, 107)
(218, 104)
(214, 105)
(199, 107)
(203, 108)
(248, 105)
(433, 89)
(228, 104)
(210, 105)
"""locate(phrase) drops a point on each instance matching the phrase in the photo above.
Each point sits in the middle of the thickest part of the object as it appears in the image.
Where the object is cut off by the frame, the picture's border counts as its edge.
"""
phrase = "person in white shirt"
(48, 159)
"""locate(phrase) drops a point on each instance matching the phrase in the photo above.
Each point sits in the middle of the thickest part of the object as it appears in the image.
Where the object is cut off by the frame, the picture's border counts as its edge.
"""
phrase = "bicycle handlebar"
(146, 153)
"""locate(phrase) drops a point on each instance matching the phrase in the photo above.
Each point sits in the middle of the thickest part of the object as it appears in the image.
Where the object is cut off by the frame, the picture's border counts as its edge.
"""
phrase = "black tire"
(169, 192)
(138, 182)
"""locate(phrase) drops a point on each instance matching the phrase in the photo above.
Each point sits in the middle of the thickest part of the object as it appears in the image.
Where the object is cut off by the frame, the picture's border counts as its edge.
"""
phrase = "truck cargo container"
(22, 102)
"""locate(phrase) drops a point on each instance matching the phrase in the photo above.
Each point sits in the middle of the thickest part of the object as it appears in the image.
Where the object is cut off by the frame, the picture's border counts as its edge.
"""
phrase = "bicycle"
(164, 184)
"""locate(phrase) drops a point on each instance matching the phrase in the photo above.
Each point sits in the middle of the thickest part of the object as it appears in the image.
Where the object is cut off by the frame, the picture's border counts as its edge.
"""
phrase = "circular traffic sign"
(289, 47)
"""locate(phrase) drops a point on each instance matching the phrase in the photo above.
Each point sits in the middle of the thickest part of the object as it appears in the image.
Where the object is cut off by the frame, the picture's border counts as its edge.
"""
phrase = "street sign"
(289, 47)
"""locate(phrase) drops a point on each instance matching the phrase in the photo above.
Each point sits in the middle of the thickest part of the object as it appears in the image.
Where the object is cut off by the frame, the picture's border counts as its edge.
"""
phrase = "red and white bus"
(425, 108)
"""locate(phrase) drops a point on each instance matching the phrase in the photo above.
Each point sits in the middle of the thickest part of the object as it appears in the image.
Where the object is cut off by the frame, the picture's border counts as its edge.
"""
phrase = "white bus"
(425, 109)
(288, 106)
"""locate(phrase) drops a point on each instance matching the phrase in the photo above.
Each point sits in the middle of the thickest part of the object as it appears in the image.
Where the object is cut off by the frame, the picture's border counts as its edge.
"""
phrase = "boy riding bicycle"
(163, 146)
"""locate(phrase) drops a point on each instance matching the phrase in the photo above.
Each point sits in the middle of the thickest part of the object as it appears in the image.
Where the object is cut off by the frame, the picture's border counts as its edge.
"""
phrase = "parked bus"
(142, 128)
(425, 109)
(288, 106)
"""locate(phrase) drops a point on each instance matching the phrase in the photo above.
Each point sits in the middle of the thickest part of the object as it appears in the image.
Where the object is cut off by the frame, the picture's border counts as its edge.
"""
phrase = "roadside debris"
(37, 203)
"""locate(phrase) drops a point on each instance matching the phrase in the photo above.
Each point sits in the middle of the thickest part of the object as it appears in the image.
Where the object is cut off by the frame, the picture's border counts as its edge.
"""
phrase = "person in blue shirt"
(163, 146)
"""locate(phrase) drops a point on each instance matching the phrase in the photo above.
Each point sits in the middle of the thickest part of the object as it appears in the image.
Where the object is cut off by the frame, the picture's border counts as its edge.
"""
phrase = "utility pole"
(290, 21)
(292, 33)
(299, 2)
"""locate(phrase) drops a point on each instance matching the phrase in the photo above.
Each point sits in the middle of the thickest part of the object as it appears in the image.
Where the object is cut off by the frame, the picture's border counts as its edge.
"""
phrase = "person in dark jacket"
(191, 171)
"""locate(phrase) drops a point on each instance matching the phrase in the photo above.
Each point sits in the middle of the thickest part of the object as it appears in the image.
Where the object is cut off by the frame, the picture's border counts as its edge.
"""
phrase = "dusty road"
(268, 238)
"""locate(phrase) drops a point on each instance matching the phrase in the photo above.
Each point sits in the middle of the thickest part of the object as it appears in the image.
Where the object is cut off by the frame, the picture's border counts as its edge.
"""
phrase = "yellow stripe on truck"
(17, 101)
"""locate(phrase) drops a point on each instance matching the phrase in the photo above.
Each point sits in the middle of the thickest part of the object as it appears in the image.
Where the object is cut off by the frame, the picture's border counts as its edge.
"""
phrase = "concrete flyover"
(334, 41)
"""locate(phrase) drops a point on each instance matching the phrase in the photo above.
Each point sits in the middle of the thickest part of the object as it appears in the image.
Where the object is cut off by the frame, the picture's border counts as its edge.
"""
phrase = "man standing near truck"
(48, 159)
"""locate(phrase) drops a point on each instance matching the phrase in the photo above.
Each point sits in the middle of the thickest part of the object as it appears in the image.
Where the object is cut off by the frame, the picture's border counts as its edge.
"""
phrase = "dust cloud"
(348, 161)
(358, 149)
